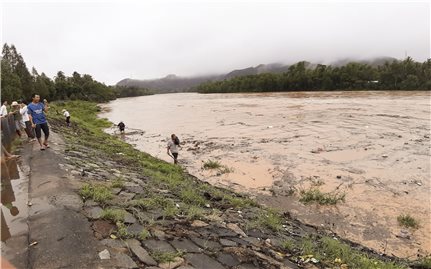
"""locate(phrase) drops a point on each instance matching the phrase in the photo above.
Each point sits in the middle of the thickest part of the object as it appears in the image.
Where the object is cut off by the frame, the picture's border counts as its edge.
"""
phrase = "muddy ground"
(374, 147)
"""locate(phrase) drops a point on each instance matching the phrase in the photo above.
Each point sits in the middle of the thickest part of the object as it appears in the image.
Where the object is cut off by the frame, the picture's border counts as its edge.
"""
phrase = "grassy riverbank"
(178, 197)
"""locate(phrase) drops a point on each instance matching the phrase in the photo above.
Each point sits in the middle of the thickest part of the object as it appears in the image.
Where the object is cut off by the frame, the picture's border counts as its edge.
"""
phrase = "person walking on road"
(28, 129)
(173, 145)
(37, 111)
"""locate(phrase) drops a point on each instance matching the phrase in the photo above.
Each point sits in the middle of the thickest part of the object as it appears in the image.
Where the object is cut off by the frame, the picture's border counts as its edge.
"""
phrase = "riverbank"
(132, 195)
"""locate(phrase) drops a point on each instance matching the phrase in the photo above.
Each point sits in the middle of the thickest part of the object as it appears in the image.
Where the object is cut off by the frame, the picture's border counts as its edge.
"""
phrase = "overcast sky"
(121, 39)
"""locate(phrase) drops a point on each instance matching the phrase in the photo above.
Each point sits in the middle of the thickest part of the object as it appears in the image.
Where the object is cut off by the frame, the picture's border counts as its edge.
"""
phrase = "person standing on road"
(3, 110)
(19, 124)
(67, 116)
(36, 111)
(173, 145)
(28, 129)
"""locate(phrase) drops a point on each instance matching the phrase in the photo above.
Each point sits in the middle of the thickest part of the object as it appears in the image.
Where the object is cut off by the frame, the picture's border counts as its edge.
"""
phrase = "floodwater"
(374, 147)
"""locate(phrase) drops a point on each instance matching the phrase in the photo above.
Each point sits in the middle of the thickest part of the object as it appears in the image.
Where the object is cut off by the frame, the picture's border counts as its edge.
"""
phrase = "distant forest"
(17, 82)
(394, 75)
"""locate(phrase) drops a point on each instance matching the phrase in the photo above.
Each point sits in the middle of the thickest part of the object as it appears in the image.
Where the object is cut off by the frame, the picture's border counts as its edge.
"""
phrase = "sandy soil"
(372, 146)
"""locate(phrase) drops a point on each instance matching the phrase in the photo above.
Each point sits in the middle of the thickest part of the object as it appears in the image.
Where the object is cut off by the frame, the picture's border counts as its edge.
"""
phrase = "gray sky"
(119, 39)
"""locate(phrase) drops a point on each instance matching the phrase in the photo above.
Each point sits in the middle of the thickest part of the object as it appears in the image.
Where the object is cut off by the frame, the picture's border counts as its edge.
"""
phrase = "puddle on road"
(14, 197)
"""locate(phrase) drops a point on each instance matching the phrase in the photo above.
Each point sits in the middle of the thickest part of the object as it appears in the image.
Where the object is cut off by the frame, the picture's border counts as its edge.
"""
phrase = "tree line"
(395, 75)
(17, 82)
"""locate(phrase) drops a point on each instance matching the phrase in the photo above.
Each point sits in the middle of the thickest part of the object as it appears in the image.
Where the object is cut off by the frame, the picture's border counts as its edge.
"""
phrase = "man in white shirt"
(3, 110)
(67, 116)
(28, 129)
(173, 145)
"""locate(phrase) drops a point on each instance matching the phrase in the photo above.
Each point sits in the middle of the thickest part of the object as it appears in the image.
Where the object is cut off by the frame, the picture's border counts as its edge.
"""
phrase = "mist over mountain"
(174, 83)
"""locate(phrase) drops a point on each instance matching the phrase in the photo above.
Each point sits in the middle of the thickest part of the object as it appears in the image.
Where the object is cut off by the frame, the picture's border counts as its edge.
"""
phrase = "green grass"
(98, 193)
(408, 221)
(144, 234)
(216, 165)
(191, 196)
(165, 257)
(122, 231)
(289, 245)
(269, 219)
(113, 214)
(210, 164)
(314, 195)
(117, 183)
(194, 212)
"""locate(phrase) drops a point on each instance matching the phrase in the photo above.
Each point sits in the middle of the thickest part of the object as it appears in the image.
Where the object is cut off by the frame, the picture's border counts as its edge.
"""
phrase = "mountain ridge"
(174, 83)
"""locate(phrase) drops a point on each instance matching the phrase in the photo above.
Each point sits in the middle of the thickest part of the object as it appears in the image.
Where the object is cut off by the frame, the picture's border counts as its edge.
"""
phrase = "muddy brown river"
(374, 147)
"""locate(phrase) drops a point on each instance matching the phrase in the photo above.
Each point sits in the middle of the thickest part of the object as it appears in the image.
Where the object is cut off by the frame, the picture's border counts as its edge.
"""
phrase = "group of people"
(29, 117)
(172, 147)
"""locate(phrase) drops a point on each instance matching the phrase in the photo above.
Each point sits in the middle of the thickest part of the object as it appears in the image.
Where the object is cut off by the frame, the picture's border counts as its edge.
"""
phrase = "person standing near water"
(173, 145)
(67, 116)
(36, 111)
(121, 126)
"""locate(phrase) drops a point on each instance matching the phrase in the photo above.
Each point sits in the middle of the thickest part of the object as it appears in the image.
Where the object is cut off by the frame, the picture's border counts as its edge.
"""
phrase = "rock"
(90, 203)
(140, 252)
(115, 191)
(115, 244)
(228, 259)
(199, 223)
(129, 218)
(206, 243)
(404, 234)
(268, 259)
(185, 245)
(104, 255)
(173, 264)
(155, 245)
(93, 212)
(135, 229)
(126, 196)
(223, 232)
(161, 235)
(135, 189)
(234, 227)
(255, 233)
(186, 267)
(102, 228)
(124, 261)
(247, 266)
(202, 261)
(228, 243)
(240, 241)
(252, 240)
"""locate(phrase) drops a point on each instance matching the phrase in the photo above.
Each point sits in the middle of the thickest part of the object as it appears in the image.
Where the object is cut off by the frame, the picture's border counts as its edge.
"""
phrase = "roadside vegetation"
(178, 195)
